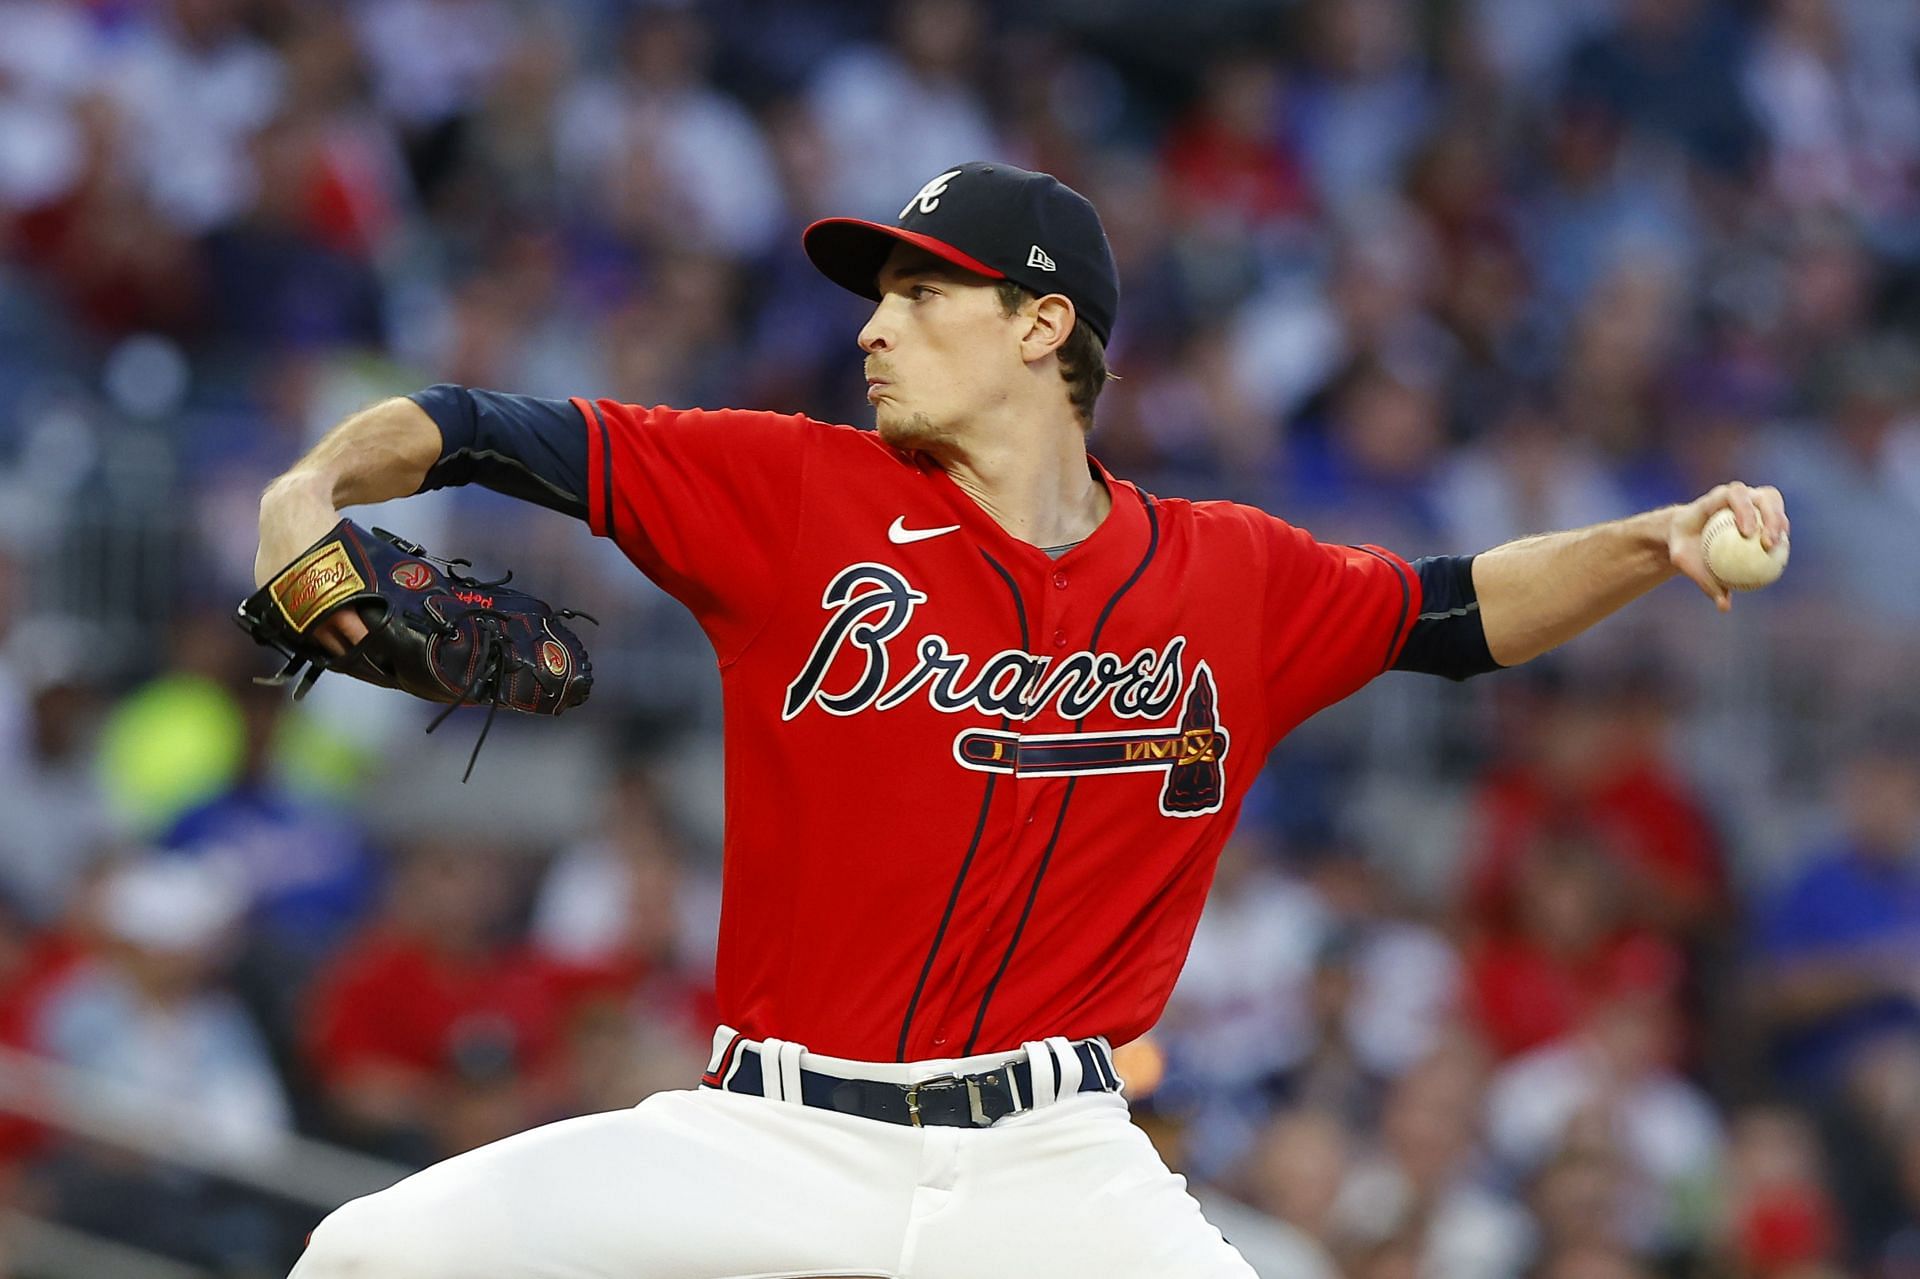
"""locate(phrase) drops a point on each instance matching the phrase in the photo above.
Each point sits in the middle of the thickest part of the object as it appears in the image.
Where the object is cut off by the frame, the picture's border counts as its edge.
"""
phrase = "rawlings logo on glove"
(431, 630)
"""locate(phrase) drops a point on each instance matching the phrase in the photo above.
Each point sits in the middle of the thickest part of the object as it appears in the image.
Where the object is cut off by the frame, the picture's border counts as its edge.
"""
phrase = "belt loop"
(722, 1036)
(772, 1078)
(1070, 1069)
(1103, 1055)
(770, 1070)
(1045, 1073)
(790, 1072)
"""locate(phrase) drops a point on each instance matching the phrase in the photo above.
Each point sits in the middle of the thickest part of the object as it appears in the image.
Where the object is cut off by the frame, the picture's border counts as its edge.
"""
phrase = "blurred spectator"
(98, 242)
(1384, 989)
(192, 86)
(1586, 208)
(801, 351)
(1523, 475)
(59, 825)
(1586, 750)
(1527, 43)
(431, 60)
(659, 142)
(1297, 339)
(1294, 1175)
(1582, 1201)
(1362, 103)
(614, 1057)
(1239, 1014)
(430, 1032)
(1840, 108)
(178, 739)
(1838, 944)
(1613, 1082)
(1370, 462)
(48, 60)
(1229, 167)
(624, 919)
(1309, 993)
(149, 1024)
(1665, 70)
(34, 962)
(150, 1014)
(279, 274)
(1422, 1189)
(1852, 476)
(1335, 1075)
(304, 864)
(890, 112)
(1196, 422)
(1610, 385)
(1778, 1217)
(1570, 946)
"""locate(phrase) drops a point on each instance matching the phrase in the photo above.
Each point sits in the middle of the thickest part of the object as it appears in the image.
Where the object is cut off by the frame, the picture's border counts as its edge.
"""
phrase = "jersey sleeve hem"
(599, 471)
(1410, 602)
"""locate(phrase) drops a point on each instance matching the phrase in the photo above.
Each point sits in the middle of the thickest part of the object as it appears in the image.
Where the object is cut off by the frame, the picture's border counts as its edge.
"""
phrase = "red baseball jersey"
(974, 794)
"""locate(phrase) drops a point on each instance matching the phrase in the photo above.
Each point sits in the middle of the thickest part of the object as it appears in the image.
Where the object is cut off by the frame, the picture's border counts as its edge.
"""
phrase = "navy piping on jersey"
(979, 829)
(1406, 604)
(606, 471)
(1060, 819)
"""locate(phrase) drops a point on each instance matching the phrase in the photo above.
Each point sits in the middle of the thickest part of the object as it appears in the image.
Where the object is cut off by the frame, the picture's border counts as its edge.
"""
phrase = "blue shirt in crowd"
(1847, 903)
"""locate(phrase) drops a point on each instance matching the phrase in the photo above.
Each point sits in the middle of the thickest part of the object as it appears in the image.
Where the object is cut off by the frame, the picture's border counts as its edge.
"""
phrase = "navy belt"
(945, 1101)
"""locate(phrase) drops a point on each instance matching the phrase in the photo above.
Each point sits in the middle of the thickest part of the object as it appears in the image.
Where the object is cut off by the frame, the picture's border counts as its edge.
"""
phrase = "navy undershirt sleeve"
(1448, 637)
(520, 445)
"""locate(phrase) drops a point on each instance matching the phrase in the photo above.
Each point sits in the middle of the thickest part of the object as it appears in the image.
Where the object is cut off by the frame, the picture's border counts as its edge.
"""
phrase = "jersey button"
(1060, 580)
(1059, 639)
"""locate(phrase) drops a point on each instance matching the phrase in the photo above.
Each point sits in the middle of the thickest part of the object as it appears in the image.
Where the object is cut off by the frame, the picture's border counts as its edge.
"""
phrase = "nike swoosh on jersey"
(900, 535)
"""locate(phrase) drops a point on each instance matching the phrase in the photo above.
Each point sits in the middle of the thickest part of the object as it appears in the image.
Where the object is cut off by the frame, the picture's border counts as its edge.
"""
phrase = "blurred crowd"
(1604, 969)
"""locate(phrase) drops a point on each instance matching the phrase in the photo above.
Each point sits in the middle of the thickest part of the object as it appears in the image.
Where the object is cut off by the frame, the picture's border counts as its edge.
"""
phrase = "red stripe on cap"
(939, 248)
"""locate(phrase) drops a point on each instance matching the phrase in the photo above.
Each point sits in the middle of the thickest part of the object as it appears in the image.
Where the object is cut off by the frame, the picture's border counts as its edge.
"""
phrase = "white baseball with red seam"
(1737, 560)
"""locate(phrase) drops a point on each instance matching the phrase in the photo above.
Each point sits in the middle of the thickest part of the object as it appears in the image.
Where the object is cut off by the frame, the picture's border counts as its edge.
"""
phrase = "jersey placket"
(1031, 830)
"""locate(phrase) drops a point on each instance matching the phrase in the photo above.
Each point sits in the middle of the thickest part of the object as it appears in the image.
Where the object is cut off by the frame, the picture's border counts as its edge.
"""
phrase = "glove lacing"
(496, 661)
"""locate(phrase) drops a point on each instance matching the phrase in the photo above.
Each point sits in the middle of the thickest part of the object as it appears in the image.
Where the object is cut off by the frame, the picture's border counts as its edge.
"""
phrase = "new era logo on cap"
(989, 219)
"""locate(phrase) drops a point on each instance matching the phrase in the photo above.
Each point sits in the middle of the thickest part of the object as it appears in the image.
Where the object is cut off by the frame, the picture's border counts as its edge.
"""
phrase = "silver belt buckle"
(941, 1082)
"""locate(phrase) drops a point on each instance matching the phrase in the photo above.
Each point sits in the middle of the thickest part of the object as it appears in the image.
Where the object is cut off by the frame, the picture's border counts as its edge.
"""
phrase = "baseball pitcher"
(990, 713)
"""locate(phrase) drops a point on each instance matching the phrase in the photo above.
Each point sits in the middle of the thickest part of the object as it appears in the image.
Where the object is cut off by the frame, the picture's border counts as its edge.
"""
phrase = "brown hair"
(1083, 357)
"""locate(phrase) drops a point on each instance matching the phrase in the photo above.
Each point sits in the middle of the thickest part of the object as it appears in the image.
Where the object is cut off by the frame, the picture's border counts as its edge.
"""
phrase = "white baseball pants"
(707, 1184)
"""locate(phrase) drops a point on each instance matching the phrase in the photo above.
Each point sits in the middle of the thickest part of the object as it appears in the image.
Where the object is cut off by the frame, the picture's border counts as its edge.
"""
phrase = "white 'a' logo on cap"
(929, 195)
(1037, 257)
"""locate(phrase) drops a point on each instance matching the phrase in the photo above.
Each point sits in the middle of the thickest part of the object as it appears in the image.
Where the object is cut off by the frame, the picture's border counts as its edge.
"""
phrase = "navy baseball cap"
(991, 219)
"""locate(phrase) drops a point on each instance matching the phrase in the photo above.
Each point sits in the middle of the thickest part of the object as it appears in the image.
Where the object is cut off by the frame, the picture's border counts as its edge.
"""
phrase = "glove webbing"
(495, 664)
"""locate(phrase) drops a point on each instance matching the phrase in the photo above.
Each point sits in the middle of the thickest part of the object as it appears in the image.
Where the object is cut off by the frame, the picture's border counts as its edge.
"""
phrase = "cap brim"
(851, 251)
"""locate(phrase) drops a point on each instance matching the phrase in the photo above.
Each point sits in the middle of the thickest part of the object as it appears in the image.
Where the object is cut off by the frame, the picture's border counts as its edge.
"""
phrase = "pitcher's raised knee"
(374, 1238)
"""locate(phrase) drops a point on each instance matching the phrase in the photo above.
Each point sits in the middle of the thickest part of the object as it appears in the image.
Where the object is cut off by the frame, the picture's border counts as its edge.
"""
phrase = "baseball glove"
(432, 631)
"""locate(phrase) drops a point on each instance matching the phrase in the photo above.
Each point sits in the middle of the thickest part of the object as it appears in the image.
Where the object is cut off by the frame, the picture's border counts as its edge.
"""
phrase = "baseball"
(1737, 561)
